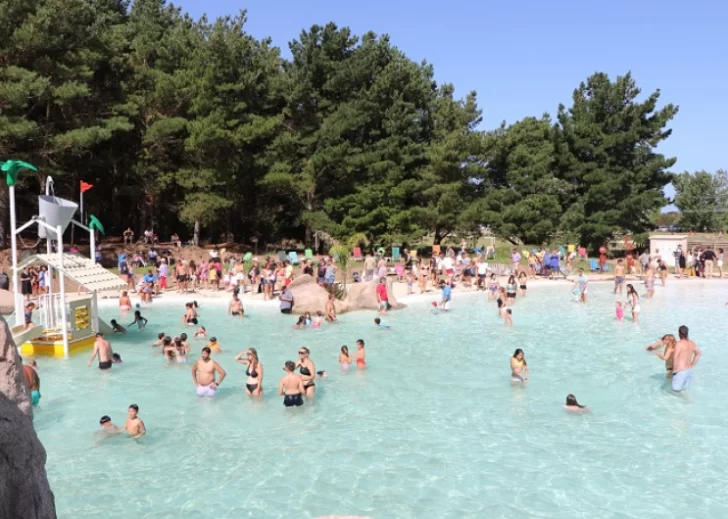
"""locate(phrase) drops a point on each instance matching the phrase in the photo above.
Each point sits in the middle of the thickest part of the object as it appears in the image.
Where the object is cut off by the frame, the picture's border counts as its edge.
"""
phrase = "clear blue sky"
(525, 57)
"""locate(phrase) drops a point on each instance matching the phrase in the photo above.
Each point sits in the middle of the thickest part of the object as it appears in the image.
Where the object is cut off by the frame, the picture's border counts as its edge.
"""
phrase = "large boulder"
(363, 296)
(309, 296)
(24, 489)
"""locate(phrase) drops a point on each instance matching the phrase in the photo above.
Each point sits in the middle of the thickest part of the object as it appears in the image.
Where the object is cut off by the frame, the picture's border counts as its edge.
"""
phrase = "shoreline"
(107, 299)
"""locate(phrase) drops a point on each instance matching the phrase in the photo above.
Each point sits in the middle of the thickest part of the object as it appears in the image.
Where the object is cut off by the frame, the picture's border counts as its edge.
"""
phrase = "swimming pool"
(432, 427)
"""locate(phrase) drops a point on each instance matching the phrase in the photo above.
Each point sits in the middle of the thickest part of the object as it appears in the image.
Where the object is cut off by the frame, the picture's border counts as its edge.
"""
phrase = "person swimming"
(573, 406)
(301, 323)
(116, 358)
(140, 321)
(160, 340)
(182, 349)
(201, 332)
(519, 368)
(214, 345)
(317, 321)
(308, 319)
(117, 327)
(344, 359)
(378, 323)
(360, 354)
(190, 316)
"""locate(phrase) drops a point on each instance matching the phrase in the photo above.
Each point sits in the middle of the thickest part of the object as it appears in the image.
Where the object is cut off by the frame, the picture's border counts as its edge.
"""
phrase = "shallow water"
(432, 427)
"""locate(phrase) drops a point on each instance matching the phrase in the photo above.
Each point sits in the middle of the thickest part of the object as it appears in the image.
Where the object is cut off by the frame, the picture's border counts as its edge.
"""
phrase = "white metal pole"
(19, 320)
(49, 250)
(92, 239)
(95, 312)
(62, 282)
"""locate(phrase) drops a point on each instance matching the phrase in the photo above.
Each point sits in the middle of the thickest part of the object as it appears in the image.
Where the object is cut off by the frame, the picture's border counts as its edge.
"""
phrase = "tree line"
(197, 127)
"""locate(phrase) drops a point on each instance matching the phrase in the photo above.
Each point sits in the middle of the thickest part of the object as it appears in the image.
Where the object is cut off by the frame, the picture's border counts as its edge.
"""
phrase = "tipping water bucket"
(54, 211)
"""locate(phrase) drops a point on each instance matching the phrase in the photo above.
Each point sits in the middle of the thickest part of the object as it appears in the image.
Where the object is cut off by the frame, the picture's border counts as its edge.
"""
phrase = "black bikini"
(253, 374)
(306, 372)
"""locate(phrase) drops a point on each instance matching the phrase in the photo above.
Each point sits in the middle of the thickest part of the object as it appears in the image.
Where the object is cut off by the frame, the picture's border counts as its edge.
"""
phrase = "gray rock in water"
(363, 296)
(24, 489)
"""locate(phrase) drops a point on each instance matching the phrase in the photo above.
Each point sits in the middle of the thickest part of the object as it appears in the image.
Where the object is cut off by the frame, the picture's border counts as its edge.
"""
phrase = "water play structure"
(61, 325)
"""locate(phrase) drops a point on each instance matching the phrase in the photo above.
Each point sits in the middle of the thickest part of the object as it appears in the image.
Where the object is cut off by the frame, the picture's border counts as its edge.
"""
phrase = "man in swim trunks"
(291, 386)
(32, 382)
(181, 273)
(382, 296)
(619, 276)
(686, 356)
(235, 307)
(102, 348)
(203, 374)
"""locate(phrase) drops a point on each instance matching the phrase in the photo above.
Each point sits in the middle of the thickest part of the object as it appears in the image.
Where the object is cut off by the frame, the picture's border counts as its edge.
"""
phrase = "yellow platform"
(52, 345)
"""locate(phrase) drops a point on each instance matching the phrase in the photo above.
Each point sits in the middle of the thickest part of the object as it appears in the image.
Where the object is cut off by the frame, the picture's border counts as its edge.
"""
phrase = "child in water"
(307, 319)
(160, 340)
(301, 323)
(213, 345)
(140, 321)
(344, 358)
(573, 406)
(117, 327)
(435, 309)
(620, 311)
(201, 332)
(378, 323)
(116, 358)
(508, 317)
(360, 354)
(318, 320)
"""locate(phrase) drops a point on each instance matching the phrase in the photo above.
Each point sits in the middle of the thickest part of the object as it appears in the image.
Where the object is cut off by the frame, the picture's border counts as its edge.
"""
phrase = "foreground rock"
(309, 296)
(24, 489)
(363, 296)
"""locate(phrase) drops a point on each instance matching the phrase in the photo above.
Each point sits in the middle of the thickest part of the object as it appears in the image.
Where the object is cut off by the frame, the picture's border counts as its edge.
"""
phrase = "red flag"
(85, 186)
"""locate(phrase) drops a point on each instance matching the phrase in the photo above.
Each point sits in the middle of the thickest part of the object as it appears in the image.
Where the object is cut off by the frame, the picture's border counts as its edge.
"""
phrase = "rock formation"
(308, 296)
(363, 296)
(24, 489)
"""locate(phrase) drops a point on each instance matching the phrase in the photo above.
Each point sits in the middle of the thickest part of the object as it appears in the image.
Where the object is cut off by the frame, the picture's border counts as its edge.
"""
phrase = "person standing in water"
(582, 281)
(360, 355)
(308, 372)
(291, 386)
(344, 359)
(203, 374)
(254, 383)
(134, 426)
(519, 368)
(102, 349)
(667, 342)
(634, 302)
(32, 382)
(619, 277)
(685, 358)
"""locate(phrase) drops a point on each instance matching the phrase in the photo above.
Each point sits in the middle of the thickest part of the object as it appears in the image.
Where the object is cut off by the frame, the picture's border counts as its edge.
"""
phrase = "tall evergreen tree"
(607, 153)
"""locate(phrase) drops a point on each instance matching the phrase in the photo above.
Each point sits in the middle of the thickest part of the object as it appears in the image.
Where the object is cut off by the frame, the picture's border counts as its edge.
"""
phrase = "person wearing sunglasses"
(307, 369)
(254, 383)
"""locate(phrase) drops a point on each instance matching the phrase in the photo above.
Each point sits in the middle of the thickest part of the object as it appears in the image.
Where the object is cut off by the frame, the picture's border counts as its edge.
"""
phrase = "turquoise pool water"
(432, 428)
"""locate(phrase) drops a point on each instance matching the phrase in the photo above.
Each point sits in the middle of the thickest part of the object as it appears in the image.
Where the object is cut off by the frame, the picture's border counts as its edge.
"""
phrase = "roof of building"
(83, 271)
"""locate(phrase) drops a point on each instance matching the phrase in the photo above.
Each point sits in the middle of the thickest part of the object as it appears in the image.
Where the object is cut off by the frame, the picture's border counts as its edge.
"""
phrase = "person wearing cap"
(213, 345)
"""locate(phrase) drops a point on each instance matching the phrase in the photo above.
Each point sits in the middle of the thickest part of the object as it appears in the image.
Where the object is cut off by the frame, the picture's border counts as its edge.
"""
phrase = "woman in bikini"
(344, 358)
(519, 368)
(424, 274)
(190, 317)
(254, 383)
(493, 287)
(511, 287)
(307, 369)
(522, 281)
